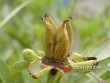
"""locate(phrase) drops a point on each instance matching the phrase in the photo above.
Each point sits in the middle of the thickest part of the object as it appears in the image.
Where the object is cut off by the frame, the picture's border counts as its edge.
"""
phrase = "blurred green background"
(21, 27)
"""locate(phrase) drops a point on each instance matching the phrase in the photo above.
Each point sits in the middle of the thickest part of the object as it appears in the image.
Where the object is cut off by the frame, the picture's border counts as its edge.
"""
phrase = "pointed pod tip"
(46, 15)
(65, 21)
(42, 19)
(70, 18)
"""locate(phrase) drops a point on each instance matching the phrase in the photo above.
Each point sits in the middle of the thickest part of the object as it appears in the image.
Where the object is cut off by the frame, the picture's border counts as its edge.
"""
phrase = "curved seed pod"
(61, 42)
(49, 36)
(70, 34)
(50, 20)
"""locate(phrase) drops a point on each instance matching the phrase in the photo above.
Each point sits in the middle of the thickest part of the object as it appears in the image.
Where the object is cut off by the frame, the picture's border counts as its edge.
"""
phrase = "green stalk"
(13, 13)
(51, 78)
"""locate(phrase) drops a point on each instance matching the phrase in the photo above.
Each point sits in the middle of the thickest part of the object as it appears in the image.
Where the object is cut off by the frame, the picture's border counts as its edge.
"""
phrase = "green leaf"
(105, 67)
(5, 74)
(36, 69)
(108, 81)
(95, 78)
(13, 13)
(19, 66)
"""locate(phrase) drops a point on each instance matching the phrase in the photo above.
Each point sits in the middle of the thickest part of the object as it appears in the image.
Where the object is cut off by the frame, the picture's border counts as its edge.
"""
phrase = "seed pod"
(50, 20)
(50, 30)
(70, 35)
(61, 42)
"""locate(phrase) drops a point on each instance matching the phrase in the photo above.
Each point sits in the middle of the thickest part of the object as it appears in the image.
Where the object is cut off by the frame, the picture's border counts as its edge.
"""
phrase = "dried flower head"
(58, 44)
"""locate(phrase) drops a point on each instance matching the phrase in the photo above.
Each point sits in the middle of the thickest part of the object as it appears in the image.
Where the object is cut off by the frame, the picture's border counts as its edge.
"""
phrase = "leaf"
(99, 49)
(105, 67)
(95, 78)
(13, 13)
(19, 66)
(5, 74)
(108, 81)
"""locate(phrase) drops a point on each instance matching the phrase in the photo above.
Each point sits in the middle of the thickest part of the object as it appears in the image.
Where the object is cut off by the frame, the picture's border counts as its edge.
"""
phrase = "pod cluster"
(58, 39)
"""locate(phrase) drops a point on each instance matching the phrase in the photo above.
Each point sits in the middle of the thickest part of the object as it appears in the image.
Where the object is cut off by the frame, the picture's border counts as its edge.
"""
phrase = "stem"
(55, 76)
(51, 78)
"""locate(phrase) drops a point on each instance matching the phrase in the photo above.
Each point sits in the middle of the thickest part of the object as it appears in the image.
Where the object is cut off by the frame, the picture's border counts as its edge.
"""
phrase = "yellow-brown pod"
(61, 42)
(70, 34)
(50, 31)
(51, 21)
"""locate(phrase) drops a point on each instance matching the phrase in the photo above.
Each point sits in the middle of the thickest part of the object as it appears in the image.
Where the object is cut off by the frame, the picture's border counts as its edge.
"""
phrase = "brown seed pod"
(58, 41)
(50, 31)
(70, 34)
(50, 20)
(61, 42)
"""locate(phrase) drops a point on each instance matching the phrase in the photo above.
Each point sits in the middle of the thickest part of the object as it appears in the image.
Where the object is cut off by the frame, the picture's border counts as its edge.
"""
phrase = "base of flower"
(53, 62)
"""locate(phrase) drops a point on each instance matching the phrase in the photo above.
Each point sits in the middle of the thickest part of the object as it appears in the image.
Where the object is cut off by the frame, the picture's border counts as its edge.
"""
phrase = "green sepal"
(29, 55)
(37, 70)
(84, 67)
(77, 57)
(39, 53)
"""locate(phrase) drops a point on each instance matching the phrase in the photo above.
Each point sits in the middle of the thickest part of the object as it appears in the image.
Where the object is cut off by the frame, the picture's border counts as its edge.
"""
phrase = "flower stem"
(51, 78)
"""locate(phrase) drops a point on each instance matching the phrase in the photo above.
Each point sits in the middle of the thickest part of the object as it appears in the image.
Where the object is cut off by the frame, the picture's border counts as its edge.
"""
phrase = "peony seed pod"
(61, 42)
(70, 35)
(50, 31)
